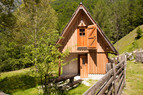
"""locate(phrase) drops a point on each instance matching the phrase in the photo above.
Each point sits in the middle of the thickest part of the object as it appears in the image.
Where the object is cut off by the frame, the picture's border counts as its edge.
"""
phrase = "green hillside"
(128, 43)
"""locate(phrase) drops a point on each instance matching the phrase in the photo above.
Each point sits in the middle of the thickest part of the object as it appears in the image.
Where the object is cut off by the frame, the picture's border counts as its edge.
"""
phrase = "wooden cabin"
(87, 44)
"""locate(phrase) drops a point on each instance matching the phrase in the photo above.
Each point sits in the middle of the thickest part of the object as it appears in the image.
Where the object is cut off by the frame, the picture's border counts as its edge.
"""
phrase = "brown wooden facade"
(87, 44)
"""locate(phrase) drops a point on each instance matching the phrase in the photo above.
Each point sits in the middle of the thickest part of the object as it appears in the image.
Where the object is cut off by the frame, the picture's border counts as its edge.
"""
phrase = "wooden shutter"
(92, 36)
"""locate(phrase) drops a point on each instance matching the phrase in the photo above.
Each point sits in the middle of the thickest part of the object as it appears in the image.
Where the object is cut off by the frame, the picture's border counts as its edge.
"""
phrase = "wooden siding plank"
(92, 62)
(102, 60)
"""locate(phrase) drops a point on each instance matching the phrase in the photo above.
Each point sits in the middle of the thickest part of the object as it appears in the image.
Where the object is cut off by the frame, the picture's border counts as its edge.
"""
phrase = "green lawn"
(81, 88)
(14, 73)
(78, 90)
(126, 43)
(30, 91)
(20, 82)
(134, 79)
(14, 82)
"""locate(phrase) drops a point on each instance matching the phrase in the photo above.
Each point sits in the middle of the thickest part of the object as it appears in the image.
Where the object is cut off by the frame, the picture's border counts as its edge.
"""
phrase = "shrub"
(139, 34)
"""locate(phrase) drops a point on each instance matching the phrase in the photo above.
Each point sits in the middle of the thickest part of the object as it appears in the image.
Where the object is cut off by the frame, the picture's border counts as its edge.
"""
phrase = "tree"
(139, 33)
(7, 20)
(112, 17)
(115, 17)
(65, 9)
(35, 30)
(102, 15)
(10, 54)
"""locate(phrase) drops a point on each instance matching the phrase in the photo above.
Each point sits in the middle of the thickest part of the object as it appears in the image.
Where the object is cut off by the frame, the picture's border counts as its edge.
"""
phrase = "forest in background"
(115, 17)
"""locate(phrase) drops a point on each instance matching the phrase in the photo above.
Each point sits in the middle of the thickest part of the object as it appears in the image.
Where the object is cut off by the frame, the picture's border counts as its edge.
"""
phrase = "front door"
(83, 66)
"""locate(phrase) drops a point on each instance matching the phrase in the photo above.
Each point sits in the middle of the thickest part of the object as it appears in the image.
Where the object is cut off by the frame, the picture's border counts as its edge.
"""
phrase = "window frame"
(82, 33)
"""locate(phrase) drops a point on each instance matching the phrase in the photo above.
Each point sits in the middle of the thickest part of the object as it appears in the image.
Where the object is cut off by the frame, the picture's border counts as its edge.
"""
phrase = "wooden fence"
(139, 56)
(113, 82)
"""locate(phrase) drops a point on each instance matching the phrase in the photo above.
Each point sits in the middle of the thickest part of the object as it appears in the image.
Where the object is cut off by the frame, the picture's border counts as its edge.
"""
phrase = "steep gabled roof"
(82, 7)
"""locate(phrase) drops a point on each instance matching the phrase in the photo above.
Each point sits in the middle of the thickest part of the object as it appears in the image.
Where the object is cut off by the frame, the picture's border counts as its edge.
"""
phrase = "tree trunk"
(45, 84)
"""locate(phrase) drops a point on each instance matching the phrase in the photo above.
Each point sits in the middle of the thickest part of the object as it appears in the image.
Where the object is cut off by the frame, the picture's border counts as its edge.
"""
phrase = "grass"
(140, 42)
(78, 90)
(30, 91)
(20, 82)
(134, 79)
(14, 73)
(126, 43)
(16, 81)
(81, 88)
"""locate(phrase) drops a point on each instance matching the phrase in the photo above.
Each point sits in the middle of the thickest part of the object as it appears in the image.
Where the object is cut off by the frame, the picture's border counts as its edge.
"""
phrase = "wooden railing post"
(114, 77)
(125, 64)
(59, 68)
(118, 59)
(141, 55)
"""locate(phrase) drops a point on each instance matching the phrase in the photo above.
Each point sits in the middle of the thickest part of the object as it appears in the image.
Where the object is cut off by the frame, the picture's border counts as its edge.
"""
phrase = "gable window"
(82, 32)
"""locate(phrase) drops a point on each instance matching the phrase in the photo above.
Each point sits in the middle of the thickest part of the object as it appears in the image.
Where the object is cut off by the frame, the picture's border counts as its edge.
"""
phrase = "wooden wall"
(92, 62)
(97, 59)
(101, 63)
(72, 66)
(97, 63)
(70, 42)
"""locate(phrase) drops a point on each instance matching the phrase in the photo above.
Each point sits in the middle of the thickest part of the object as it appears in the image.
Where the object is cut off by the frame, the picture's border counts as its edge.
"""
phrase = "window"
(82, 32)
(83, 61)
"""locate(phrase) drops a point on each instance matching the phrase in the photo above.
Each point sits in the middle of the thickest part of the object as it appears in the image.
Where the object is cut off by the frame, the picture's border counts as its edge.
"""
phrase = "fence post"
(142, 57)
(125, 64)
(118, 59)
(124, 57)
(141, 52)
(114, 77)
(59, 68)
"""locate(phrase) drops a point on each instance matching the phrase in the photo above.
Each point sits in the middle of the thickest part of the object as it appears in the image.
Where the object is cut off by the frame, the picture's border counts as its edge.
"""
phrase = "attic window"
(82, 32)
